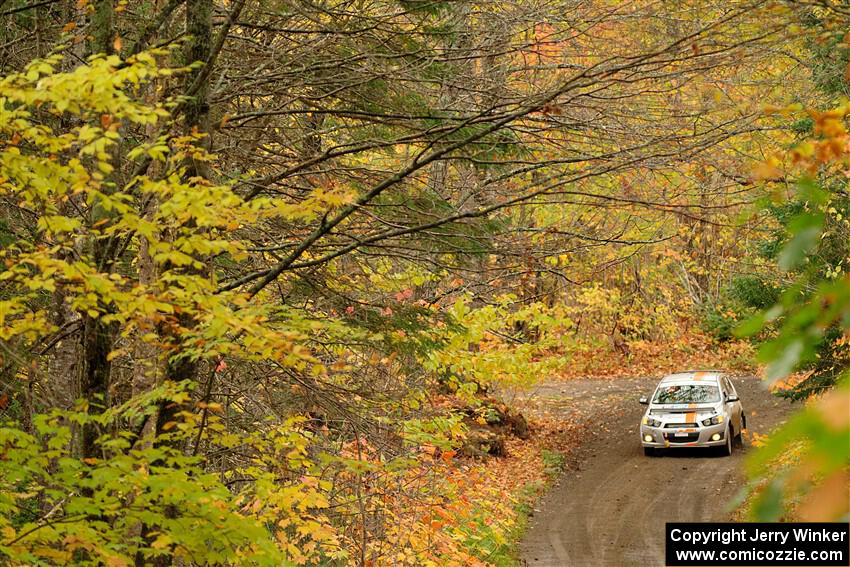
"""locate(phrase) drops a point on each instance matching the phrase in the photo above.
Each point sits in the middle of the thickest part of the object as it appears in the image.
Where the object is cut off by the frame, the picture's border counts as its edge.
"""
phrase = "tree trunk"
(196, 119)
(102, 27)
(96, 338)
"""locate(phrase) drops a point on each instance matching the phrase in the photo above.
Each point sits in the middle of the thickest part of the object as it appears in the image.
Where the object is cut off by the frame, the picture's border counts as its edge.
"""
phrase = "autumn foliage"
(267, 267)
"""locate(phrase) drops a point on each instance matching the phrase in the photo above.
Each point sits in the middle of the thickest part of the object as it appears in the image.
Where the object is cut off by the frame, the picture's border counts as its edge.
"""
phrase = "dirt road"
(610, 507)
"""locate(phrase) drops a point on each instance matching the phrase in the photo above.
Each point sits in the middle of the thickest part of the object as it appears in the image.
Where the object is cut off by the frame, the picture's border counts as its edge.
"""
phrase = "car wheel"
(649, 451)
(739, 438)
(727, 448)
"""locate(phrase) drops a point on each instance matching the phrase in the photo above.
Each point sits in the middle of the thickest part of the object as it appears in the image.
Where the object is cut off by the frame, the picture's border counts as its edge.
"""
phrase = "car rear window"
(687, 394)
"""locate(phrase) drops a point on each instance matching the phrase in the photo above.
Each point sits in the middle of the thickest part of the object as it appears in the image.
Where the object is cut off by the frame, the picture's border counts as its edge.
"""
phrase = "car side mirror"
(731, 398)
(643, 400)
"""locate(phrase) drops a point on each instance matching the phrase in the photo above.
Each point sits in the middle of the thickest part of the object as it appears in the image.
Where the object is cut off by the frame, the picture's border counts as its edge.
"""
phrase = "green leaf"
(787, 360)
(806, 229)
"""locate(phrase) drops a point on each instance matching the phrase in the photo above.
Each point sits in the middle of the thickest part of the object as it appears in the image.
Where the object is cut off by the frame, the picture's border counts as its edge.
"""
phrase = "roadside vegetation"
(802, 471)
(266, 268)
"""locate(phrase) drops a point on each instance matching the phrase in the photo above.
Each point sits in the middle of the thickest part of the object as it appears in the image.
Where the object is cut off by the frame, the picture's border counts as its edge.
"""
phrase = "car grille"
(661, 411)
(690, 438)
(678, 425)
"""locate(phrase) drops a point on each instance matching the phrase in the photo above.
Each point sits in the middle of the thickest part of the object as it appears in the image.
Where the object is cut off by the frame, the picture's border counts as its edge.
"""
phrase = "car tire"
(739, 438)
(649, 451)
(726, 449)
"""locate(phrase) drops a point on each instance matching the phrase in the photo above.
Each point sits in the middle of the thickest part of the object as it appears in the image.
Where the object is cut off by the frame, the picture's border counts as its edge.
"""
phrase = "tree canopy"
(264, 261)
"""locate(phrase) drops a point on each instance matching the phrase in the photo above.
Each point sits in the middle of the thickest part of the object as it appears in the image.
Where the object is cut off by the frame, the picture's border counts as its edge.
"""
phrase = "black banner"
(757, 544)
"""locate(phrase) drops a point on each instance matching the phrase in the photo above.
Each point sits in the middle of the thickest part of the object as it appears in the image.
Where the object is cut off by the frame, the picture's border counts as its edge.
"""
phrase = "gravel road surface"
(610, 506)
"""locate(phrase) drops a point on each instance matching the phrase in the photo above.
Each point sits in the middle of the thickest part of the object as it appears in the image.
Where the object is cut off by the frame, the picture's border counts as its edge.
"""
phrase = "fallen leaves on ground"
(692, 350)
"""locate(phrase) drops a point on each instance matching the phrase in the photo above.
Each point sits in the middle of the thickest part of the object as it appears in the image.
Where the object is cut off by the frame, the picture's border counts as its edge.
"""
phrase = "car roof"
(693, 376)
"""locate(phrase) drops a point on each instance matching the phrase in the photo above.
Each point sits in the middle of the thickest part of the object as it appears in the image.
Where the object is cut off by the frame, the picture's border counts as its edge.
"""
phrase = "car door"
(733, 409)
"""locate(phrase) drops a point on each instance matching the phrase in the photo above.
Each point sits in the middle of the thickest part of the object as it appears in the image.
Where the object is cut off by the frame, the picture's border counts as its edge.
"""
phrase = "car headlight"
(652, 422)
(713, 420)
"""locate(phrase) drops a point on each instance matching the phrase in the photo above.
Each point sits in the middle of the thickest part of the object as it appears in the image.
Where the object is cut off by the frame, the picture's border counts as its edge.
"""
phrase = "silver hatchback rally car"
(693, 409)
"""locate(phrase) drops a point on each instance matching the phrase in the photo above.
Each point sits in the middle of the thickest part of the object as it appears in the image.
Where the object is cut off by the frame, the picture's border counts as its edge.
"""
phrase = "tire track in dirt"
(610, 507)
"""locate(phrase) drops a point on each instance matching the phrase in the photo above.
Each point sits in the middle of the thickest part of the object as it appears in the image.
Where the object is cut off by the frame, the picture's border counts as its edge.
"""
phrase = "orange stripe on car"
(691, 416)
(700, 375)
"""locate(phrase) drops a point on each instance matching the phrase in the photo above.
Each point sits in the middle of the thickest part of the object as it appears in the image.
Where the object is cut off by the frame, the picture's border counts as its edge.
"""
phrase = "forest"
(279, 279)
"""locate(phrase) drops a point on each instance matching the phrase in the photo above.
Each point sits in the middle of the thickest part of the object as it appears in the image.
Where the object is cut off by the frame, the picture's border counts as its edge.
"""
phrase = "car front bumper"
(665, 437)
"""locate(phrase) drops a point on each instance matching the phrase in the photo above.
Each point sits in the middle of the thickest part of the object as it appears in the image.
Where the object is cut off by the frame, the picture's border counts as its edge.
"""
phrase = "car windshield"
(687, 394)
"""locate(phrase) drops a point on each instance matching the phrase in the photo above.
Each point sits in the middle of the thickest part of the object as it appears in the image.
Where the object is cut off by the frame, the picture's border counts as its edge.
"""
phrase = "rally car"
(693, 409)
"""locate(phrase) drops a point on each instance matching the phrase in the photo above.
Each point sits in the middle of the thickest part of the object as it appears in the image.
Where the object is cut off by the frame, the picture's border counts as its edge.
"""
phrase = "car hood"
(661, 409)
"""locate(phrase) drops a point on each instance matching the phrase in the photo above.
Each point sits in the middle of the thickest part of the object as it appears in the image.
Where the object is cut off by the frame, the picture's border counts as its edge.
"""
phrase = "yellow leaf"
(766, 171)
(827, 502)
(161, 542)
